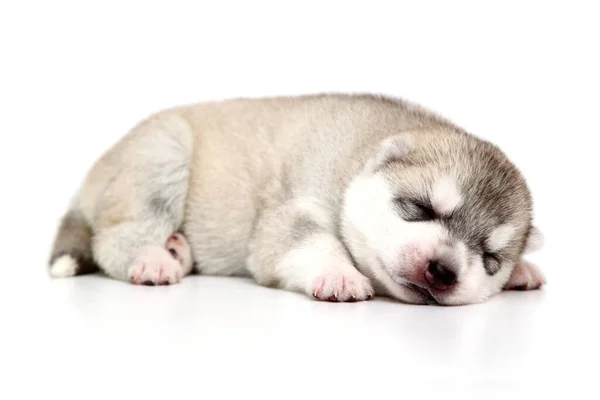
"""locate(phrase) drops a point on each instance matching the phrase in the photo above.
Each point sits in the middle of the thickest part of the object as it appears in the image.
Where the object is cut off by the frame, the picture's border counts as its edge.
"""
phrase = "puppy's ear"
(525, 276)
(391, 149)
(535, 240)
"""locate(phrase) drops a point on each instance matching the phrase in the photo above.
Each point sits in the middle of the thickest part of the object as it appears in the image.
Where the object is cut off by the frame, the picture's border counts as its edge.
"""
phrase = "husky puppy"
(338, 196)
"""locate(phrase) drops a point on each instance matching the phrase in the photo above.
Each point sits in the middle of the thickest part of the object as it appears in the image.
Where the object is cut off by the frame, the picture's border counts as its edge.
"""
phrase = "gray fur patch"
(302, 228)
(159, 204)
(74, 237)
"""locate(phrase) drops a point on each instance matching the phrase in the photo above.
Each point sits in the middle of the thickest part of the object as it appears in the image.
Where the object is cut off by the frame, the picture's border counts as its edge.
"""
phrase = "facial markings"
(492, 263)
(488, 249)
(445, 196)
(414, 210)
(497, 241)
(499, 238)
(465, 215)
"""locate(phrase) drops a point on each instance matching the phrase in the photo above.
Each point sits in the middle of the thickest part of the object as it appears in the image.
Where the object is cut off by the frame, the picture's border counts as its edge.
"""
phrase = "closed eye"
(491, 262)
(426, 210)
(414, 211)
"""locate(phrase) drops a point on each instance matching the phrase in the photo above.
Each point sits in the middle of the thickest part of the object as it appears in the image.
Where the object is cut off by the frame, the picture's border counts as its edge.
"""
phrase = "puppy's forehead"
(441, 190)
(445, 195)
(470, 181)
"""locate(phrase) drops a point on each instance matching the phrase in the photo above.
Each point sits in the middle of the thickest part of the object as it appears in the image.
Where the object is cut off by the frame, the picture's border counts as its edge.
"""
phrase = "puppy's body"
(253, 156)
(303, 193)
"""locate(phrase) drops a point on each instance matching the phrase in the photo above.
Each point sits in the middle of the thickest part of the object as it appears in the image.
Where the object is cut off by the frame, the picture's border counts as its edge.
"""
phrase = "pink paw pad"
(179, 249)
(338, 286)
(155, 266)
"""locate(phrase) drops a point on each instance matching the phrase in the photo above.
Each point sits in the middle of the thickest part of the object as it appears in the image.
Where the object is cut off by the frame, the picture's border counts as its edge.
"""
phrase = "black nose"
(441, 274)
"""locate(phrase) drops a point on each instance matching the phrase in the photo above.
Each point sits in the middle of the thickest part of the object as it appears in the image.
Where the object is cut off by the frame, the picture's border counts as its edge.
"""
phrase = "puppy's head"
(441, 218)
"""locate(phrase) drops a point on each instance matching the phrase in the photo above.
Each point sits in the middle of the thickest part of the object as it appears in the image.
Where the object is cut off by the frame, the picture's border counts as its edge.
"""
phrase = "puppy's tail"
(72, 250)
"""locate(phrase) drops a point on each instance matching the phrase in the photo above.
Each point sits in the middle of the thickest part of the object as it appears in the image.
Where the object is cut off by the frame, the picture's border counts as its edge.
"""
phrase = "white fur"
(385, 246)
(321, 267)
(500, 237)
(368, 209)
(63, 267)
(476, 286)
(445, 196)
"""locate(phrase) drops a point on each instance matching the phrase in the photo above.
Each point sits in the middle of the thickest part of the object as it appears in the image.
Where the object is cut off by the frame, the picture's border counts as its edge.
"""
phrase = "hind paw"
(155, 266)
(179, 249)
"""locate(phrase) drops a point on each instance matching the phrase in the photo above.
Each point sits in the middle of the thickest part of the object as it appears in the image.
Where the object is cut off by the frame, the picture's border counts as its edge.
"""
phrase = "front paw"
(337, 285)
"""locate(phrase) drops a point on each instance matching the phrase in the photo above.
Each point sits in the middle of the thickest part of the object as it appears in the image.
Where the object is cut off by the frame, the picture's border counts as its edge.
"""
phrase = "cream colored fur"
(258, 187)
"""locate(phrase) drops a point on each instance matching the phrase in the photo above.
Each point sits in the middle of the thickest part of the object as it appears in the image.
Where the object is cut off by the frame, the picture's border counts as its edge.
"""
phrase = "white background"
(74, 76)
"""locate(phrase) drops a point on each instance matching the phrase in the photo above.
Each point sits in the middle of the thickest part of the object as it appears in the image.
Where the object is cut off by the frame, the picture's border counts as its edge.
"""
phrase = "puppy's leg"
(144, 183)
(143, 252)
(294, 248)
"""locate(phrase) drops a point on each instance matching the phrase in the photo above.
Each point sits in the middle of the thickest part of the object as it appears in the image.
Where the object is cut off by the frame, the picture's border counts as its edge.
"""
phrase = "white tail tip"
(63, 266)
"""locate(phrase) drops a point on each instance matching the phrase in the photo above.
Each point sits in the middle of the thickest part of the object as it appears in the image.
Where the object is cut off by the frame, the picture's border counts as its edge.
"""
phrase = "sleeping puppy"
(338, 196)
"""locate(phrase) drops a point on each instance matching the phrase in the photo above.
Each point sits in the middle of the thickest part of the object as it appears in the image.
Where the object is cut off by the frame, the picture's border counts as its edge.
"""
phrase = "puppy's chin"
(396, 287)
(410, 294)
(405, 286)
